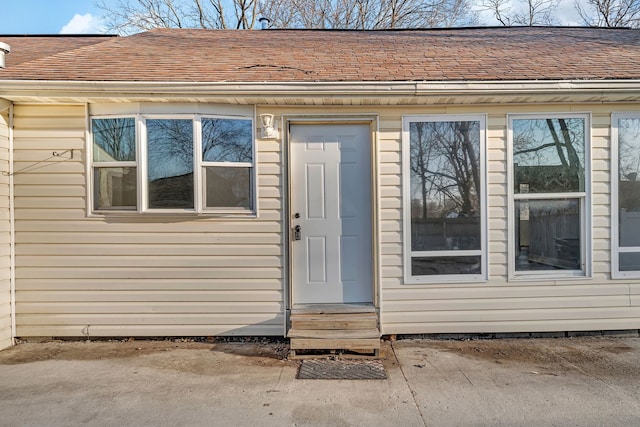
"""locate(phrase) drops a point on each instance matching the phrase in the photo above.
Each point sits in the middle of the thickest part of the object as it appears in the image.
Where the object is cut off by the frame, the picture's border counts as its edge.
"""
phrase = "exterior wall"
(134, 276)
(5, 285)
(163, 276)
(596, 303)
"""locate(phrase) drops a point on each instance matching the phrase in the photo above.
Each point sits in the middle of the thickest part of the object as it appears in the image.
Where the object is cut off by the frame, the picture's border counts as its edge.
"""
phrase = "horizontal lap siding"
(148, 275)
(499, 305)
(140, 275)
(5, 285)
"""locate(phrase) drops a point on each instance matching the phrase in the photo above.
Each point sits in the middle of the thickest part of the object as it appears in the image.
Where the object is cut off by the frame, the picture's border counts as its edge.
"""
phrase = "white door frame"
(372, 121)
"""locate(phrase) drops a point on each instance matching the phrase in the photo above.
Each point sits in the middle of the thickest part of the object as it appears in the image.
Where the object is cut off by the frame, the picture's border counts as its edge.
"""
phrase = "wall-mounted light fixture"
(269, 126)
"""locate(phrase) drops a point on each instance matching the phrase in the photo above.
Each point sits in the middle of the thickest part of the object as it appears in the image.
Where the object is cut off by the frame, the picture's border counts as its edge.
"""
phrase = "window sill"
(176, 214)
(447, 280)
(626, 275)
(537, 277)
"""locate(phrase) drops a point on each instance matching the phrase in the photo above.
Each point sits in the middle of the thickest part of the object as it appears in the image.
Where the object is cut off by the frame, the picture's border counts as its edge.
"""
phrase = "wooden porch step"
(336, 321)
(332, 309)
(352, 327)
(360, 345)
(334, 334)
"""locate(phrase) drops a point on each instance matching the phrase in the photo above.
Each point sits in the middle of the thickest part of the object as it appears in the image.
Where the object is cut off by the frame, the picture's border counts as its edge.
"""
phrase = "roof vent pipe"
(4, 48)
(264, 23)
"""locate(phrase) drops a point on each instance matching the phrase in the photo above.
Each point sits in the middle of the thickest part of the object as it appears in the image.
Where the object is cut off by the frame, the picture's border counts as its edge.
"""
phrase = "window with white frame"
(444, 198)
(549, 190)
(625, 195)
(173, 164)
(114, 164)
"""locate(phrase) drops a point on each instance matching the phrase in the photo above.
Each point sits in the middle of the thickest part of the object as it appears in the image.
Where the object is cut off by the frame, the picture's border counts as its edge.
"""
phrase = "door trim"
(373, 121)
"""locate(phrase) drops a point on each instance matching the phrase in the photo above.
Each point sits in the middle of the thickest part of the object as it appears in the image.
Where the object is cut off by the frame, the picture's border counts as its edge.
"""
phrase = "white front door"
(331, 203)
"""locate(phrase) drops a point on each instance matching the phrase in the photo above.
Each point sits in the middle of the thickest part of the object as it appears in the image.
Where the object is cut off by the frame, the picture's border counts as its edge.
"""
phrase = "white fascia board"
(93, 89)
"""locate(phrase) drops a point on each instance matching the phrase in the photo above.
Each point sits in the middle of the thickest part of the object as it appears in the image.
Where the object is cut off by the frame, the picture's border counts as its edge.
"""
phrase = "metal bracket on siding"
(63, 154)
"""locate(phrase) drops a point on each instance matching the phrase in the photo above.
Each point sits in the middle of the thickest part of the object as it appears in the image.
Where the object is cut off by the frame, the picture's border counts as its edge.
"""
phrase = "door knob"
(296, 232)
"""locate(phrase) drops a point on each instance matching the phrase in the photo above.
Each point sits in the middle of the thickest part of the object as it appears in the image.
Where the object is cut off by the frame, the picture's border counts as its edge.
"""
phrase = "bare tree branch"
(130, 16)
(609, 13)
(522, 12)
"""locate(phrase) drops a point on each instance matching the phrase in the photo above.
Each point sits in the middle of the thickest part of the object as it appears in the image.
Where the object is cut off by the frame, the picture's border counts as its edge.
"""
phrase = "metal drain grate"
(326, 369)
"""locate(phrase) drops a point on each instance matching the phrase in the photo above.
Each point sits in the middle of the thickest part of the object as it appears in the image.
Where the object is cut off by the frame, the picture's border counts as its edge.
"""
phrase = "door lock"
(296, 232)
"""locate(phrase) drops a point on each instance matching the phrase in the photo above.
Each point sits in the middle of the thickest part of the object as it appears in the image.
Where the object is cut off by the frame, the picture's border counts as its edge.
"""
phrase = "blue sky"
(83, 16)
(49, 17)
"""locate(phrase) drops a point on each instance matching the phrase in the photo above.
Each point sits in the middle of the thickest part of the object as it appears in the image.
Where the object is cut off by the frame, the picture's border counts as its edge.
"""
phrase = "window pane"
(114, 140)
(548, 155)
(547, 234)
(170, 163)
(629, 261)
(227, 140)
(114, 188)
(629, 181)
(228, 187)
(445, 185)
(428, 266)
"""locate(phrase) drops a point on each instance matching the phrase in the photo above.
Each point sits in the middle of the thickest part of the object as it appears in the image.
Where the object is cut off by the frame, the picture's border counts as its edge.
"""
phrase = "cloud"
(83, 24)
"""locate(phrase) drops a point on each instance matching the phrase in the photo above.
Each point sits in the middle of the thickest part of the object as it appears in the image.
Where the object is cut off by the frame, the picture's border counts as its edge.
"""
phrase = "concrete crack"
(406, 381)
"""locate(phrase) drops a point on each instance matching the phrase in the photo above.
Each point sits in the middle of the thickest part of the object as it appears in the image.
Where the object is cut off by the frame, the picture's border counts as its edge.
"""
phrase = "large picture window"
(626, 196)
(170, 164)
(444, 198)
(549, 189)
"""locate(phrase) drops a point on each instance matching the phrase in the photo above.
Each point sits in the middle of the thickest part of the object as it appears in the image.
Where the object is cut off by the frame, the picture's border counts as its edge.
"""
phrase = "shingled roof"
(467, 54)
(27, 48)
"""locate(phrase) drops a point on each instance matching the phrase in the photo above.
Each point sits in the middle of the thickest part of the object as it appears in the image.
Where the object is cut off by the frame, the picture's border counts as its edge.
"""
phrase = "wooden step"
(334, 334)
(362, 344)
(352, 327)
(334, 321)
(332, 308)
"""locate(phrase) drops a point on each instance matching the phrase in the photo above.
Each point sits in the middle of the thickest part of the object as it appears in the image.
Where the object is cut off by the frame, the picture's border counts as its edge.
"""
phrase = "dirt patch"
(100, 350)
(597, 355)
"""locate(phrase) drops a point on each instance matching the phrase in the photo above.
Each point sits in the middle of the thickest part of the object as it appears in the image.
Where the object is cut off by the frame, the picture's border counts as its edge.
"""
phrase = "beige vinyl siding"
(139, 275)
(5, 263)
(151, 275)
(499, 305)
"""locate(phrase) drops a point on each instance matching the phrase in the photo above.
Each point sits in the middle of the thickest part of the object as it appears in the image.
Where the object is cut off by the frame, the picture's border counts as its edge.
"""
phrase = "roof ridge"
(60, 35)
(391, 30)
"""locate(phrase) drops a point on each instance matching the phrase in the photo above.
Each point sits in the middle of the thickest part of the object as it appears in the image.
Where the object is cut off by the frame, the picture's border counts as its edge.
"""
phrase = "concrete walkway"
(545, 382)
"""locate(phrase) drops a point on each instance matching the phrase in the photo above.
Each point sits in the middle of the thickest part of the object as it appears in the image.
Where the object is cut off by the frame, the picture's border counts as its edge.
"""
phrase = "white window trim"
(616, 249)
(406, 205)
(141, 165)
(200, 184)
(92, 165)
(584, 198)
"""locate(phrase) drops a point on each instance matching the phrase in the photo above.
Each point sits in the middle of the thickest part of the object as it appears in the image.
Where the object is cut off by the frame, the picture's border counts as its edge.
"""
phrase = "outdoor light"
(269, 126)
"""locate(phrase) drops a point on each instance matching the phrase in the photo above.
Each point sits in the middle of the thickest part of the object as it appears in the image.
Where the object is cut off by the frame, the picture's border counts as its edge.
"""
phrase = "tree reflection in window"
(445, 185)
(629, 193)
(225, 140)
(170, 163)
(114, 167)
(548, 155)
(548, 158)
(445, 198)
(114, 140)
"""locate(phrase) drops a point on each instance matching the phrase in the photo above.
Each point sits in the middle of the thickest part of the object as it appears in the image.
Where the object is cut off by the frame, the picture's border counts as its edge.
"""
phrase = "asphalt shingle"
(467, 54)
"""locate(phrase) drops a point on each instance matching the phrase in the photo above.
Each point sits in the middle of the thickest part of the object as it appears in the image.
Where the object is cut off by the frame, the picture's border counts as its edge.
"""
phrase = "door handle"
(296, 232)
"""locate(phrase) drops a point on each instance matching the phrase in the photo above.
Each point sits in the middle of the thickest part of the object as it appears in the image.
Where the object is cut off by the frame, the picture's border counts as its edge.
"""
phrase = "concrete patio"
(587, 381)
